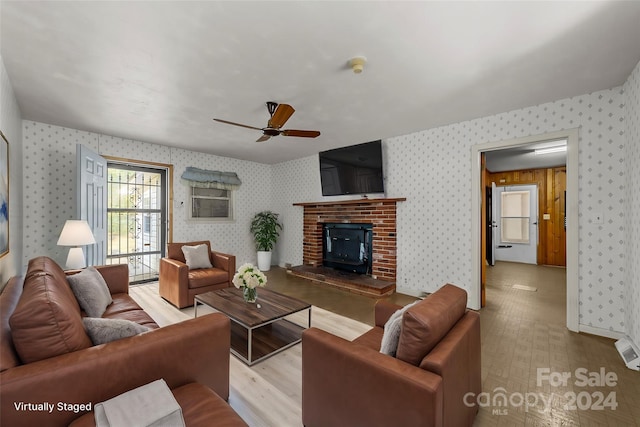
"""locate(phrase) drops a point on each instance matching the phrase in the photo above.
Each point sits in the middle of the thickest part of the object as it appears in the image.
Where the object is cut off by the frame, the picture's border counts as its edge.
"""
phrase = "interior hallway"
(524, 330)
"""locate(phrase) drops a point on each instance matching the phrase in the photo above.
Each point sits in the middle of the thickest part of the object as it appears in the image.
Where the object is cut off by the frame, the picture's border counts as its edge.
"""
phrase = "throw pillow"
(91, 291)
(197, 256)
(392, 329)
(106, 330)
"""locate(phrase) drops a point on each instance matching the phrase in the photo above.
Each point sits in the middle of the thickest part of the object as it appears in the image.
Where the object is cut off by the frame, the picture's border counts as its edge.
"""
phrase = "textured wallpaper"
(632, 300)
(49, 195)
(294, 181)
(432, 169)
(253, 195)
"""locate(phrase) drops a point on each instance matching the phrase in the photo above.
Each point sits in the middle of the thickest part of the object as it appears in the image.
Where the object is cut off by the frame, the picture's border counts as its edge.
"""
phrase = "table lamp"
(76, 233)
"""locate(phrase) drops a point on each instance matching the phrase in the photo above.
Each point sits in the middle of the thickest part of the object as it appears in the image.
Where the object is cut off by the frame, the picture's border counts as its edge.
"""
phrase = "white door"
(91, 196)
(517, 223)
(136, 218)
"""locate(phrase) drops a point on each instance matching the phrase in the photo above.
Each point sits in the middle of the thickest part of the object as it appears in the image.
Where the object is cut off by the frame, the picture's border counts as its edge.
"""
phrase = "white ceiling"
(160, 71)
(524, 157)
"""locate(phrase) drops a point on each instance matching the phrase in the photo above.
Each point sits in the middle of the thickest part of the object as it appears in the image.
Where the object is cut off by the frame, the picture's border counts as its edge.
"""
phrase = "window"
(211, 204)
(514, 216)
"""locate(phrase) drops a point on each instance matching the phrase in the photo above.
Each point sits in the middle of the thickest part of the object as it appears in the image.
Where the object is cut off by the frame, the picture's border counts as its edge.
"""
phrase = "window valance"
(202, 178)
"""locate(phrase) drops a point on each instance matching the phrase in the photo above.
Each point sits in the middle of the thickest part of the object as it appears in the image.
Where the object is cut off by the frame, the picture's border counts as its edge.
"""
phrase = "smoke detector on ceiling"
(357, 64)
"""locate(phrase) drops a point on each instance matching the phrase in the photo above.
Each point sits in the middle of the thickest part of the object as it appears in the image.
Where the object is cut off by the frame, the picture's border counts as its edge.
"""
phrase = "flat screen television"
(356, 169)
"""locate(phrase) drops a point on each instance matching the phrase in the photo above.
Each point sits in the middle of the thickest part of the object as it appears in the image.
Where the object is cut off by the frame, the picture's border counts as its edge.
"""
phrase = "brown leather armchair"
(179, 285)
(433, 380)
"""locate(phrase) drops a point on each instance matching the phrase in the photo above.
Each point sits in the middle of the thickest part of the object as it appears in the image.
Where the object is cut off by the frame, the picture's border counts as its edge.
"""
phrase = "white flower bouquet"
(248, 278)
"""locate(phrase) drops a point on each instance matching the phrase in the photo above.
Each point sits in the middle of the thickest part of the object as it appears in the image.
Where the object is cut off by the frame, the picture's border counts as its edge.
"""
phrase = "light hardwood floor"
(522, 330)
(269, 393)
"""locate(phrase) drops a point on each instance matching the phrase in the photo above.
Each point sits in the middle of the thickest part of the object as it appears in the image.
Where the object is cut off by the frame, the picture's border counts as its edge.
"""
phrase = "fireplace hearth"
(360, 284)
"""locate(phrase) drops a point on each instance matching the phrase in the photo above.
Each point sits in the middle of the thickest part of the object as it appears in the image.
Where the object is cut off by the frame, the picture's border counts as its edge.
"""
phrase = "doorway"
(571, 209)
(137, 201)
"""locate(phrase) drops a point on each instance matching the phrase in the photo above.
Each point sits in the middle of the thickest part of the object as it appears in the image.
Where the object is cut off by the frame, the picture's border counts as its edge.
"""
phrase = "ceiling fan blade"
(301, 133)
(237, 124)
(263, 138)
(281, 115)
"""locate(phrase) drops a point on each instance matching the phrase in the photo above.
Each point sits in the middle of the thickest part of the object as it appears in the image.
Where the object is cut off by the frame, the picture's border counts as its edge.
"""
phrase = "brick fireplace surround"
(379, 212)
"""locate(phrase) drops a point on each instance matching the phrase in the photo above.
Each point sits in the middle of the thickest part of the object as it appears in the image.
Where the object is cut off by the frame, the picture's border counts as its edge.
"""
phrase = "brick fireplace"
(380, 213)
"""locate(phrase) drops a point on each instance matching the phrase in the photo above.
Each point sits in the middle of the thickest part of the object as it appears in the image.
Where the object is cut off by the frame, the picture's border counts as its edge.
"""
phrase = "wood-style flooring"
(523, 330)
(269, 393)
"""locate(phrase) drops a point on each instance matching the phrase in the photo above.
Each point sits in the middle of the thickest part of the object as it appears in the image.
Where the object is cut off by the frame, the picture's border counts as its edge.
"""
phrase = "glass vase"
(250, 294)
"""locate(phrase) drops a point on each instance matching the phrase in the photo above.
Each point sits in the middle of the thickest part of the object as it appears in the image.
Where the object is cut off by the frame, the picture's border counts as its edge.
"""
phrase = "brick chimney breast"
(381, 213)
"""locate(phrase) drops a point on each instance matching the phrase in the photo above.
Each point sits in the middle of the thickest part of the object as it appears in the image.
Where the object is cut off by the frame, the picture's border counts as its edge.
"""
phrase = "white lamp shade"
(76, 233)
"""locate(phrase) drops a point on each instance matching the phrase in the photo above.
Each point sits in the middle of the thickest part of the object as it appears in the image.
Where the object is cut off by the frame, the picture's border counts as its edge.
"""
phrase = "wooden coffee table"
(261, 329)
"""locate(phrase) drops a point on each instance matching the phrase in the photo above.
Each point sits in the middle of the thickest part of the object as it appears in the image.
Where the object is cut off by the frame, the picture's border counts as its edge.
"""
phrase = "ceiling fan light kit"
(357, 64)
(279, 113)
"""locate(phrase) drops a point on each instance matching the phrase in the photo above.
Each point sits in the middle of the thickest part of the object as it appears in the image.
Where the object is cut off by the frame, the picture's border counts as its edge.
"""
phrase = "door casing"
(572, 136)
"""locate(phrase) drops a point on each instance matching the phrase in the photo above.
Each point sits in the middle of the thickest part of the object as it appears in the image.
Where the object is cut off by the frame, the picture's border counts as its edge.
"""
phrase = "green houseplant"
(266, 230)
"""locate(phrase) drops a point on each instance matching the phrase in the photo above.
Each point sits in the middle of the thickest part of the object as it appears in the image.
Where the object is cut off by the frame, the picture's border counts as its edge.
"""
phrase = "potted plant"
(265, 228)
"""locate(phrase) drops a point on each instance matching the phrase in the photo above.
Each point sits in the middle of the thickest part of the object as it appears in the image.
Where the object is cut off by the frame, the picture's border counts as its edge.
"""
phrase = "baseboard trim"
(601, 332)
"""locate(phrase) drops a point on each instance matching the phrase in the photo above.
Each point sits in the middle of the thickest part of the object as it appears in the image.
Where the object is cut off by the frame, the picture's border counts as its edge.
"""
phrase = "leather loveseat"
(51, 360)
(437, 366)
(179, 285)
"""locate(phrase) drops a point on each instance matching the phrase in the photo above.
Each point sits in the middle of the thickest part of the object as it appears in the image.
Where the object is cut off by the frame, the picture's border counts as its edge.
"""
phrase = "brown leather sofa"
(437, 363)
(179, 285)
(62, 367)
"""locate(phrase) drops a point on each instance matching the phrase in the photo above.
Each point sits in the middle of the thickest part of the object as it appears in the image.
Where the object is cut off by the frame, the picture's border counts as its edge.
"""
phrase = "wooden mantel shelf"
(352, 202)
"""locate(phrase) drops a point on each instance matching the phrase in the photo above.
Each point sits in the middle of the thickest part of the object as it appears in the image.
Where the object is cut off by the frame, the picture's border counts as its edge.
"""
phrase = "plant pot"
(264, 260)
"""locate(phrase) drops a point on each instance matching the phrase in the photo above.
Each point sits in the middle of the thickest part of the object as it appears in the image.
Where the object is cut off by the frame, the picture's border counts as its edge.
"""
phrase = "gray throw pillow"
(102, 331)
(392, 330)
(197, 256)
(91, 291)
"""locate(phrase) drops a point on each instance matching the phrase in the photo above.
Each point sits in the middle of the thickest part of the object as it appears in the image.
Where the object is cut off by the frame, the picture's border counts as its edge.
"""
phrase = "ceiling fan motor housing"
(271, 131)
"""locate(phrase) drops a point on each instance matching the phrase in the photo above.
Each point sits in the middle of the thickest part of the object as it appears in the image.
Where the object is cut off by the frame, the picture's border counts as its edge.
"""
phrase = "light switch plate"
(546, 217)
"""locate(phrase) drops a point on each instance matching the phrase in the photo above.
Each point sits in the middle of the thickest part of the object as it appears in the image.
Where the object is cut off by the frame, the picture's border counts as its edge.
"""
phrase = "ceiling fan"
(279, 113)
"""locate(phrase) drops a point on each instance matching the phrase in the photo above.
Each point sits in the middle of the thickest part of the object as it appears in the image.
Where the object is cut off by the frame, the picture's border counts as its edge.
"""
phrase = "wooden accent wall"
(552, 183)
(555, 250)
(379, 212)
